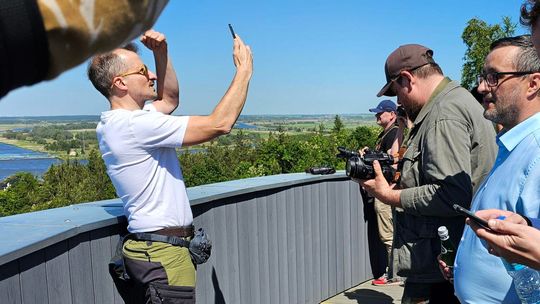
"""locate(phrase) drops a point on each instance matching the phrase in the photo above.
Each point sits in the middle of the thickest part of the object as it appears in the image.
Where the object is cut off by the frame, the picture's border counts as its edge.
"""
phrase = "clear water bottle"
(526, 282)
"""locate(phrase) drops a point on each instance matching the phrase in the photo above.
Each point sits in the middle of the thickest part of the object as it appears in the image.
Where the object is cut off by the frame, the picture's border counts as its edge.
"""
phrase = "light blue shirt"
(513, 184)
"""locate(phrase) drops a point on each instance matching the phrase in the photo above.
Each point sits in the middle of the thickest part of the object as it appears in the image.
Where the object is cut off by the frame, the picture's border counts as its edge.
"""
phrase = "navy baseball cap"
(384, 106)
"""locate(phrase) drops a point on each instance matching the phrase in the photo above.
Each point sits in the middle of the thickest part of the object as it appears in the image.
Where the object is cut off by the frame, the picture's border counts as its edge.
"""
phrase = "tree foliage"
(246, 156)
(478, 36)
(68, 183)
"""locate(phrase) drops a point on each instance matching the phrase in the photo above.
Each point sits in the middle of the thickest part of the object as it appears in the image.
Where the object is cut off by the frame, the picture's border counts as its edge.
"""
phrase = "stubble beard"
(506, 113)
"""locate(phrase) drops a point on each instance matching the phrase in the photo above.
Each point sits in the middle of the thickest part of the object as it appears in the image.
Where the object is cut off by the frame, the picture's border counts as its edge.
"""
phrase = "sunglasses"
(143, 71)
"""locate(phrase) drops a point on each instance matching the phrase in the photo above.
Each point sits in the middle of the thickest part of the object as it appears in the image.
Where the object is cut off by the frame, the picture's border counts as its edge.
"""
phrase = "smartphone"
(467, 213)
(232, 31)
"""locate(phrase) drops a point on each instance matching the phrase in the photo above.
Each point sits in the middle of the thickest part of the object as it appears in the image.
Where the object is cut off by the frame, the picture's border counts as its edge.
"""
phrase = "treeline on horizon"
(73, 182)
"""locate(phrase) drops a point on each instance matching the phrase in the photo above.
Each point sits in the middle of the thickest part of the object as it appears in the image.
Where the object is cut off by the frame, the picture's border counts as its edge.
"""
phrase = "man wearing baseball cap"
(449, 150)
(385, 113)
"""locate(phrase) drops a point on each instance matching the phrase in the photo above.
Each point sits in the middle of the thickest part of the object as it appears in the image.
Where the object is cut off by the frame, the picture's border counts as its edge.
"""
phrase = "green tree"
(20, 194)
(364, 136)
(338, 125)
(97, 185)
(478, 36)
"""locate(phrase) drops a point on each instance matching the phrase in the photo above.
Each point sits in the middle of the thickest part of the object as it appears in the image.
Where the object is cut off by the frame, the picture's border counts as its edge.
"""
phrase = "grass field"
(290, 124)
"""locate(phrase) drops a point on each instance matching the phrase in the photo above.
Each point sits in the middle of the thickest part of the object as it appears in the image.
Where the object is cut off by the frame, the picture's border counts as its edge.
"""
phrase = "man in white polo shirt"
(138, 141)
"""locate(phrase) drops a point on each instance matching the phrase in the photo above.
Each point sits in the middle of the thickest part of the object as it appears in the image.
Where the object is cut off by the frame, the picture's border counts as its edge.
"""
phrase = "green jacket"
(450, 149)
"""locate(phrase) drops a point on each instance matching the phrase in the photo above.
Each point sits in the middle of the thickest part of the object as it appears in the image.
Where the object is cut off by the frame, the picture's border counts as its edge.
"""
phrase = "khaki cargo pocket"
(166, 294)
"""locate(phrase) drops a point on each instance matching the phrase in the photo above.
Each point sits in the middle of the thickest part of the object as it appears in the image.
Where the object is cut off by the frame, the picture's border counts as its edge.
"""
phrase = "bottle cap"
(443, 232)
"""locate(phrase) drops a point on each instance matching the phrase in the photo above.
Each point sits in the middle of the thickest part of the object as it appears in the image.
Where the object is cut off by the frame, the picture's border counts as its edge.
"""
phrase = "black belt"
(152, 237)
(170, 235)
(181, 231)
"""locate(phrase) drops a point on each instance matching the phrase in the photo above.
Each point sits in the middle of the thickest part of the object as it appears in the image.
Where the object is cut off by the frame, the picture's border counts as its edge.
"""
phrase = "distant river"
(14, 159)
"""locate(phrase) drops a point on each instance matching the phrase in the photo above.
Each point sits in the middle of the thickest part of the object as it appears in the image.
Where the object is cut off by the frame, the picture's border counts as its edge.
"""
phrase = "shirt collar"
(511, 138)
(427, 107)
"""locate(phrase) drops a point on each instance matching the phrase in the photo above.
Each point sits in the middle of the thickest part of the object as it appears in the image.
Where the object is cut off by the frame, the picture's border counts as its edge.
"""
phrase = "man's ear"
(407, 79)
(534, 86)
(119, 84)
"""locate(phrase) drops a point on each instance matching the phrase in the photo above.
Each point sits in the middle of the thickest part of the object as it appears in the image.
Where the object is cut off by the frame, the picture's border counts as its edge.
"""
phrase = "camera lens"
(354, 167)
(348, 167)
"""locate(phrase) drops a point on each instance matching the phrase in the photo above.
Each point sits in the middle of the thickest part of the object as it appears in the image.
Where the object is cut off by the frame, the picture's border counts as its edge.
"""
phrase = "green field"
(251, 126)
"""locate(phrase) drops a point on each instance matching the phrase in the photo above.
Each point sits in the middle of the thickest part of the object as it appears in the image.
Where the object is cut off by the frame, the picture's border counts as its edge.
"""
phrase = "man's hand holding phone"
(510, 238)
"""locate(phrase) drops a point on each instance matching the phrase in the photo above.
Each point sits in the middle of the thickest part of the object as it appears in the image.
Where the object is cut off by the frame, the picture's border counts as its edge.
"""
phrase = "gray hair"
(104, 67)
(527, 58)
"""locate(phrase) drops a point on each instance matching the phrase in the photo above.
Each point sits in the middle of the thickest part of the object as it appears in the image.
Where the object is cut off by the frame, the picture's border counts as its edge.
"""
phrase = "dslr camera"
(361, 167)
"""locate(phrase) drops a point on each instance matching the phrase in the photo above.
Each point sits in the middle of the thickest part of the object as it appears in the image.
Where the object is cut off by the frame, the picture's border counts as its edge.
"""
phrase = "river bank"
(38, 148)
(15, 159)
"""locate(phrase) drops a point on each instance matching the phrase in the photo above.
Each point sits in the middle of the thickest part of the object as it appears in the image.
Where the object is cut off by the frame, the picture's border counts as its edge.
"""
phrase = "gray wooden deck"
(366, 293)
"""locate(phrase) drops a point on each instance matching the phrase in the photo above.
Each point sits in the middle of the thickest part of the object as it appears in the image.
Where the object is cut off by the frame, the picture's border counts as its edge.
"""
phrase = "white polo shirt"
(138, 148)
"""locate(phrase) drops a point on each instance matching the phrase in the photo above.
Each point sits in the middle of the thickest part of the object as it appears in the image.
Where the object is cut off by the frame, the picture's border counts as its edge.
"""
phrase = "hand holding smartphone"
(232, 31)
(480, 222)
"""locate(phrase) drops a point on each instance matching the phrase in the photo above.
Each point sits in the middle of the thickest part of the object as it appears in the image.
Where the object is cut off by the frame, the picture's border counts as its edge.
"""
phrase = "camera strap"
(382, 136)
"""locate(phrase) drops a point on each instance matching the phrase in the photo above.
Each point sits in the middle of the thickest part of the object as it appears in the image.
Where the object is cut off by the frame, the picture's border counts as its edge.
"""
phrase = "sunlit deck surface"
(366, 293)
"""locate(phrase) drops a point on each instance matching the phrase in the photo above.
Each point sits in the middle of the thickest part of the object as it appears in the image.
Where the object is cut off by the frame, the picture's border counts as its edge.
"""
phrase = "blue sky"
(310, 56)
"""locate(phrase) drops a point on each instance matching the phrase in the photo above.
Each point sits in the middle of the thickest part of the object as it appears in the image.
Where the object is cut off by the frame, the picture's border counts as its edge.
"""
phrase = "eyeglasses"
(492, 78)
(143, 71)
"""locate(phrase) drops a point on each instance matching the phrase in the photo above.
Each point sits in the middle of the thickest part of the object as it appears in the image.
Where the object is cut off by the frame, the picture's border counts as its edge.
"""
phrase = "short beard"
(506, 117)
(507, 113)
(413, 111)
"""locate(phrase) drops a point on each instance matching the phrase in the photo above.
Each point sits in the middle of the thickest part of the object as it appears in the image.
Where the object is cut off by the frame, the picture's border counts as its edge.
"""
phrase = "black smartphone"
(232, 31)
(467, 213)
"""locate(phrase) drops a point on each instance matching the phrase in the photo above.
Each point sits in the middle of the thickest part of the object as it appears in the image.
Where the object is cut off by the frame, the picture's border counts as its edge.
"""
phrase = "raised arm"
(167, 84)
(225, 114)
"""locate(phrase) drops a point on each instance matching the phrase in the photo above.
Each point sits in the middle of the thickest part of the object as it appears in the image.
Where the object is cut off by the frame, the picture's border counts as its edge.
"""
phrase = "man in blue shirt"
(513, 238)
(510, 83)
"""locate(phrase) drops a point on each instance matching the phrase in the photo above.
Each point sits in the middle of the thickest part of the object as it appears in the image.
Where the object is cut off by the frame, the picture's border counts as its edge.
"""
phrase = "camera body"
(361, 167)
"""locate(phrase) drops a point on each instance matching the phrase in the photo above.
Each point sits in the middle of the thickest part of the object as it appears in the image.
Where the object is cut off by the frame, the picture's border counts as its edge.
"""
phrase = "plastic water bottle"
(526, 281)
(448, 250)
